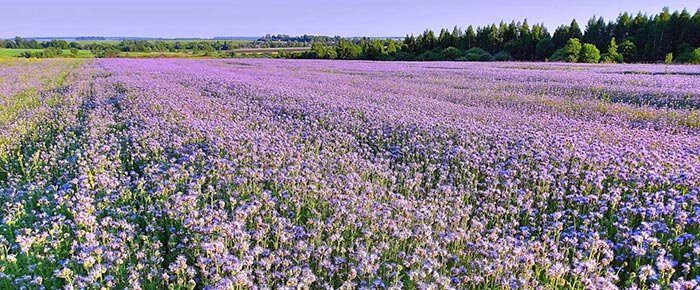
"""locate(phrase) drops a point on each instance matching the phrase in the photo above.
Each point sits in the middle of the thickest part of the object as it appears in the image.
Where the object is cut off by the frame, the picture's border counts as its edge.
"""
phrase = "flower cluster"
(299, 174)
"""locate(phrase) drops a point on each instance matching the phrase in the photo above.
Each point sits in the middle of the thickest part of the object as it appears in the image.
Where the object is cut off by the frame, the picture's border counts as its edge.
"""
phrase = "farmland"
(16, 52)
(286, 174)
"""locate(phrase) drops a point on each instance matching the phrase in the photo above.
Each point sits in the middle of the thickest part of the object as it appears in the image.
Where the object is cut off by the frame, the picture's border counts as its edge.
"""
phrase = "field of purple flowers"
(288, 174)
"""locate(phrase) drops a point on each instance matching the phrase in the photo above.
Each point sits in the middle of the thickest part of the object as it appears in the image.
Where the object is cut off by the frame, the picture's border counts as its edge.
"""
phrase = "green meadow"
(15, 52)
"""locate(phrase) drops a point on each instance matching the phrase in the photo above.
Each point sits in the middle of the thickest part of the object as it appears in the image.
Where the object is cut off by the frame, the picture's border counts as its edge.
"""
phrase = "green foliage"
(476, 54)
(347, 50)
(572, 50)
(57, 43)
(430, 56)
(451, 53)
(689, 55)
(391, 46)
(106, 53)
(46, 53)
(373, 49)
(404, 56)
(597, 33)
(52, 52)
(427, 41)
(574, 30)
(645, 38)
(545, 48)
(561, 35)
(589, 53)
(612, 56)
(320, 51)
(628, 50)
(502, 56)
(668, 59)
(558, 55)
(612, 47)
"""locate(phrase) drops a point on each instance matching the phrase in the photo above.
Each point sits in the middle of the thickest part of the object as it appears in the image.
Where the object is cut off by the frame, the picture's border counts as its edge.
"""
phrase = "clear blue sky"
(210, 18)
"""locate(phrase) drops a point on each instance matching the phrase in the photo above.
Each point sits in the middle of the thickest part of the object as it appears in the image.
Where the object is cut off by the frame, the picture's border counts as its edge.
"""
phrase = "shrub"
(628, 51)
(572, 50)
(589, 53)
(558, 55)
(476, 54)
(689, 55)
(612, 55)
(451, 53)
(106, 53)
(668, 59)
(502, 56)
(403, 56)
(52, 52)
(320, 51)
(430, 56)
(569, 53)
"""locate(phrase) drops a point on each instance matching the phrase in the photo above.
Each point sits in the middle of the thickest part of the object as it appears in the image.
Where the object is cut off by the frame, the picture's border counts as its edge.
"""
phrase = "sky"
(211, 18)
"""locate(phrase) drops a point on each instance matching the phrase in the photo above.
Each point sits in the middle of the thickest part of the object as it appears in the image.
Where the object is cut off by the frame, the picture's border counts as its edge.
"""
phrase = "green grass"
(166, 54)
(15, 52)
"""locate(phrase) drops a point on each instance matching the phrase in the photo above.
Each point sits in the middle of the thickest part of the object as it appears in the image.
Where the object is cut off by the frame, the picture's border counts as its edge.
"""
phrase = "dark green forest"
(663, 37)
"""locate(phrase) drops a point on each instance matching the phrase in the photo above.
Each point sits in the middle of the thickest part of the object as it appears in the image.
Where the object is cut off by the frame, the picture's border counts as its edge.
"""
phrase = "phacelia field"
(289, 174)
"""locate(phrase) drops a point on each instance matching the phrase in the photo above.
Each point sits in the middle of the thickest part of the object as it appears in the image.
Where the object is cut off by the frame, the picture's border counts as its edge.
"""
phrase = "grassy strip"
(16, 52)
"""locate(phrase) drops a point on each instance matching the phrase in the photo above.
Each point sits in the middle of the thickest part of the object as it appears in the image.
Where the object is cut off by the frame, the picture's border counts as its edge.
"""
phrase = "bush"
(572, 49)
(430, 56)
(52, 52)
(589, 53)
(689, 55)
(348, 50)
(46, 53)
(612, 56)
(558, 55)
(503, 56)
(320, 51)
(668, 59)
(476, 54)
(570, 52)
(106, 53)
(451, 53)
(628, 51)
(403, 56)
(476, 50)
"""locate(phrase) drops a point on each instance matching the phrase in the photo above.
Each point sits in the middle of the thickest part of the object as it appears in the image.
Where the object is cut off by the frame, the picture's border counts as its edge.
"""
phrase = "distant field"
(111, 41)
(12, 52)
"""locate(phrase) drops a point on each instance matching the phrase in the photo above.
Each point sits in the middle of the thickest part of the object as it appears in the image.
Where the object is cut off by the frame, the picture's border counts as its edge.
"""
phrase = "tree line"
(142, 45)
(666, 36)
